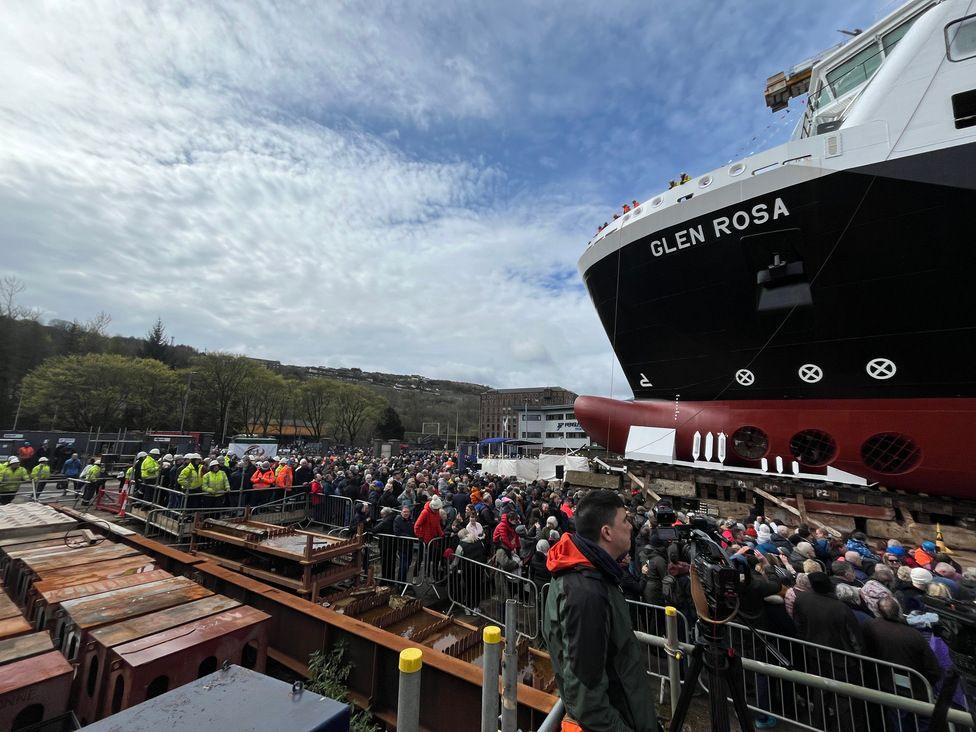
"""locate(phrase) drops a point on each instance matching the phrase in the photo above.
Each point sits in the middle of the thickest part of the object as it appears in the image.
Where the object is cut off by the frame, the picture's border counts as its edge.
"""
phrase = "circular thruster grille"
(813, 447)
(890, 453)
(750, 443)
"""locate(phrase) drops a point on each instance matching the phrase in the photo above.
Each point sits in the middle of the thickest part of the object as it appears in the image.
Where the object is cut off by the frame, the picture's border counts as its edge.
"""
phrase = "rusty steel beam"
(43, 679)
(25, 646)
(78, 618)
(93, 661)
(43, 606)
(297, 628)
(179, 655)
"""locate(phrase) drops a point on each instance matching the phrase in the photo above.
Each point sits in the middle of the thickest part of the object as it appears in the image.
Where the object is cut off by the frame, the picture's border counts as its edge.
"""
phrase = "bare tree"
(315, 399)
(10, 288)
(99, 324)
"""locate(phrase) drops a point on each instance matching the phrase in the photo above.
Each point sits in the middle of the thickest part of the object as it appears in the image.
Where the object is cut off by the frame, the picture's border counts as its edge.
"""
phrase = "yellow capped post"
(408, 699)
(492, 637)
(411, 660)
(671, 612)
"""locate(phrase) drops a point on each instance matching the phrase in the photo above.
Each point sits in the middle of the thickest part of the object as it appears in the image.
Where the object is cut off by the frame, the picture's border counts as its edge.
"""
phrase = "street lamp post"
(19, 402)
(186, 398)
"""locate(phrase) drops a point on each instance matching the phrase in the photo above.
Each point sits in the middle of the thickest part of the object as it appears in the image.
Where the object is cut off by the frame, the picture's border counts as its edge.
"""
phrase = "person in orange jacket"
(262, 479)
(284, 478)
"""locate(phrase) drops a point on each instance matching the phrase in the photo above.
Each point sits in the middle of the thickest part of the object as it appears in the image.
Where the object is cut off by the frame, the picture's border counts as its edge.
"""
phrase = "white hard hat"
(193, 456)
(154, 451)
(42, 460)
(142, 455)
(214, 462)
(14, 460)
(167, 456)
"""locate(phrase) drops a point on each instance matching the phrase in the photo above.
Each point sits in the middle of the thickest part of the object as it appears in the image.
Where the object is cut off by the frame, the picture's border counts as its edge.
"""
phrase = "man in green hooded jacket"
(596, 658)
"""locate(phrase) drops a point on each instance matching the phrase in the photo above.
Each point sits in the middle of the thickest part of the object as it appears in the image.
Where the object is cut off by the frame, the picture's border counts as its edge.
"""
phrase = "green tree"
(356, 410)
(217, 386)
(314, 405)
(101, 390)
(389, 426)
(155, 345)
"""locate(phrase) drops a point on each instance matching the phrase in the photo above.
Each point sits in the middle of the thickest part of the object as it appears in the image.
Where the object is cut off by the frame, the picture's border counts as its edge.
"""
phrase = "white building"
(552, 427)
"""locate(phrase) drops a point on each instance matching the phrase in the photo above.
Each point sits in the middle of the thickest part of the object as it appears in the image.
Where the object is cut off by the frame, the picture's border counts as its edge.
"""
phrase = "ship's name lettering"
(720, 226)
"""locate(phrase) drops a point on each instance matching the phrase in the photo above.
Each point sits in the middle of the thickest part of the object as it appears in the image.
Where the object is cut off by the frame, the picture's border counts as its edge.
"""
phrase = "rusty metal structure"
(34, 681)
(133, 607)
(97, 657)
(304, 562)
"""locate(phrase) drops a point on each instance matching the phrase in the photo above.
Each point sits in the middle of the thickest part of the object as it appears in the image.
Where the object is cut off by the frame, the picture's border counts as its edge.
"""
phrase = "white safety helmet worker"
(168, 457)
(142, 455)
(154, 451)
(214, 462)
(42, 460)
(14, 460)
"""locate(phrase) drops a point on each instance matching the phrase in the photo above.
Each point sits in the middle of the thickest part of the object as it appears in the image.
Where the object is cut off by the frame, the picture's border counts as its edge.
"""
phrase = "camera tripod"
(723, 669)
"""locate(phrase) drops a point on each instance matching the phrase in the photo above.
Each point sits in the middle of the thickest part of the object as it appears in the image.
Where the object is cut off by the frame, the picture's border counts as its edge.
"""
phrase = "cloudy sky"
(403, 187)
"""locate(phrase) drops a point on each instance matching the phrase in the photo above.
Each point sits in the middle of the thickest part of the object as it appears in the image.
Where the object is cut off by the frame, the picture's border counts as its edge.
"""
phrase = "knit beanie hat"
(921, 577)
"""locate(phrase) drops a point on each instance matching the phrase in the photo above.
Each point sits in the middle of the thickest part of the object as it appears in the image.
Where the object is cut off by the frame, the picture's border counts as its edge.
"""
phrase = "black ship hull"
(832, 322)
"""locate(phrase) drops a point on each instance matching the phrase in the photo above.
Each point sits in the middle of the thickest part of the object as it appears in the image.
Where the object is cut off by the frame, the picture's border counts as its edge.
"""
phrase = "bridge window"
(855, 71)
(960, 38)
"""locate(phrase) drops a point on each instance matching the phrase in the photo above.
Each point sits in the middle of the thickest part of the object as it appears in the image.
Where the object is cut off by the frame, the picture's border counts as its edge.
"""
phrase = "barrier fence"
(816, 709)
(483, 590)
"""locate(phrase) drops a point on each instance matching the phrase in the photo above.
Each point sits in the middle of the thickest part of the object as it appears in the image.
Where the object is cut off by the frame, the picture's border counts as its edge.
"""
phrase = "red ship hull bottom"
(919, 443)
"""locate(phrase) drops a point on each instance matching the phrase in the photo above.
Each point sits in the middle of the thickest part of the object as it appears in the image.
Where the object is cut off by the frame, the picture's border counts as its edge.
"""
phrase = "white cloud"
(216, 165)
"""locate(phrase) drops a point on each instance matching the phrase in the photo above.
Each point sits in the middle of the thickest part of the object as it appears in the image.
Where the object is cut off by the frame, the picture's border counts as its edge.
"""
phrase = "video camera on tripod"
(699, 543)
(716, 585)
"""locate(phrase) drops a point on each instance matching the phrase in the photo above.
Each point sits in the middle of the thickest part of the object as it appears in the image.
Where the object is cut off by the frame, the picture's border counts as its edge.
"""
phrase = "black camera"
(720, 581)
(664, 514)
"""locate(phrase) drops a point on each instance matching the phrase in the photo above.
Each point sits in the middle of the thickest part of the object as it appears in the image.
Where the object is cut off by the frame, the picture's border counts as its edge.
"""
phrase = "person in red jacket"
(505, 535)
(428, 524)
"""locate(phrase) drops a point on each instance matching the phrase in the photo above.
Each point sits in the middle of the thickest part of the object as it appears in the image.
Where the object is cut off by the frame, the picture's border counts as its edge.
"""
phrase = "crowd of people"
(845, 593)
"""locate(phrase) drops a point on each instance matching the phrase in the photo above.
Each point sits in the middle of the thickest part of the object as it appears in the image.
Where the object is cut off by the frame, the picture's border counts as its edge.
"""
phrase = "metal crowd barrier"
(483, 590)
(333, 512)
(891, 711)
(815, 708)
(399, 560)
(653, 620)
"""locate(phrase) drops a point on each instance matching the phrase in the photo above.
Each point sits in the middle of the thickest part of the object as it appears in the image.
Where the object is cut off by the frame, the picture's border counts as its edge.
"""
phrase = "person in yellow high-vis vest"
(41, 474)
(190, 480)
(12, 474)
(215, 486)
